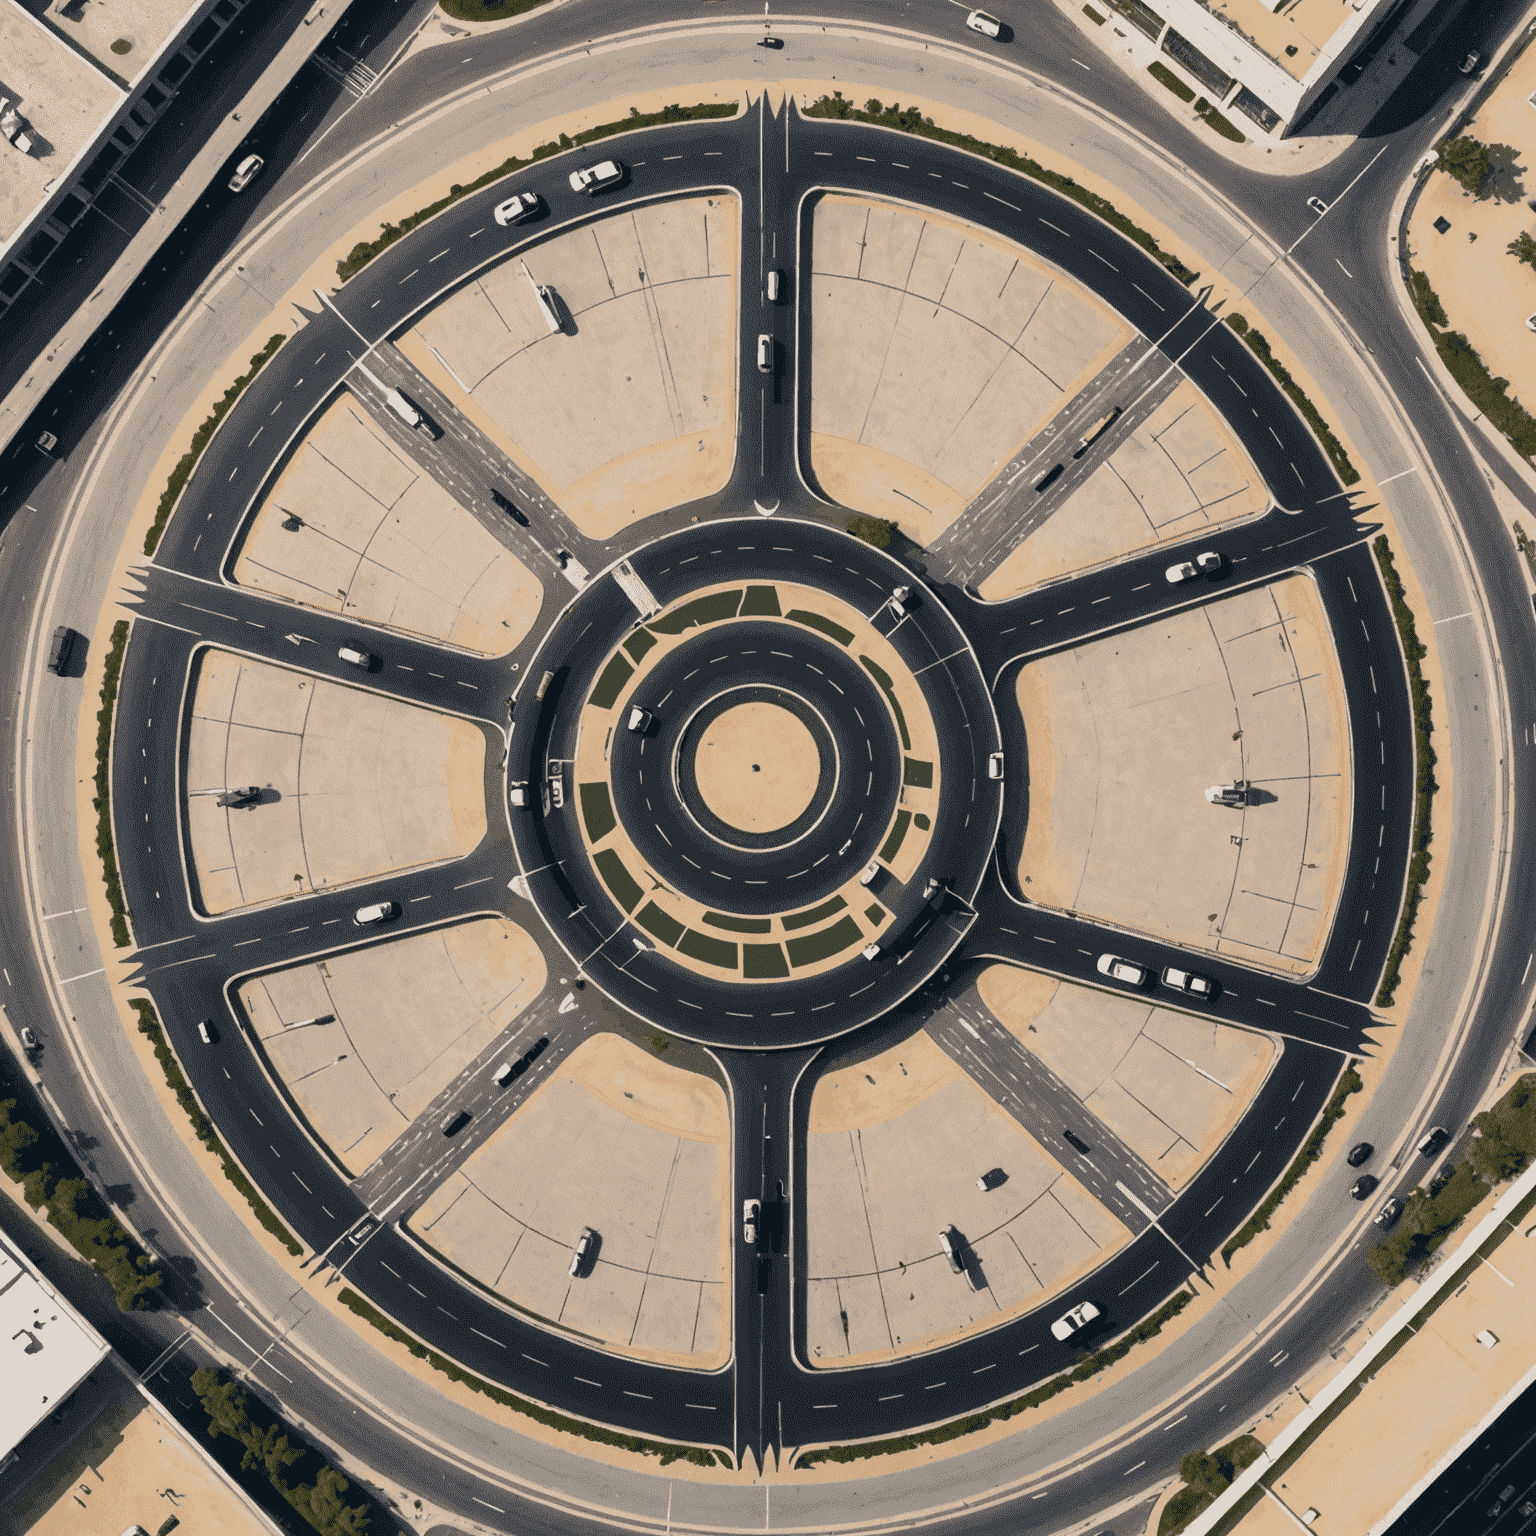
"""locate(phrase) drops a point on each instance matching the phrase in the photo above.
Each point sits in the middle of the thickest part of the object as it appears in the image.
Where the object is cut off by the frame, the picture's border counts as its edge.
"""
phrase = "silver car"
(516, 209)
(593, 178)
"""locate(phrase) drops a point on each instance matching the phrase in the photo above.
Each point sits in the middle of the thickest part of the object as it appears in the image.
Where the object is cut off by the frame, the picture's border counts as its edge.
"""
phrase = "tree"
(322, 1506)
(1523, 248)
(1465, 161)
(16, 1136)
(873, 530)
(224, 1403)
(37, 1187)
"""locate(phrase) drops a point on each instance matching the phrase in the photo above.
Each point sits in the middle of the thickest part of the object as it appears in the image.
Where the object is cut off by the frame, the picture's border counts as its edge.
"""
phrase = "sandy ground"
(860, 917)
(757, 767)
(1374, 1452)
(1168, 1085)
(632, 407)
(938, 345)
(874, 1211)
(1486, 292)
(1126, 733)
(402, 1020)
(354, 784)
(639, 1152)
(1181, 471)
(129, 1467)
(352, 526)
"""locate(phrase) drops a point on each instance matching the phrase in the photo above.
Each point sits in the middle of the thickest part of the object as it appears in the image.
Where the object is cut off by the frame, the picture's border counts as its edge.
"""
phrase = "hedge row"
(1311, 1150)
(365, 250)
(1165, 76)
(1214, 120)
(1147, 1328)
(910, 120)
(39, 1161)
(200, 440)
(1207, 1475)
(1487, 393)
(1259, 344)
(106, 849)
(1527, 547)
(487, 10)
(1424, 785)
(598, 1432)
(202, 1126)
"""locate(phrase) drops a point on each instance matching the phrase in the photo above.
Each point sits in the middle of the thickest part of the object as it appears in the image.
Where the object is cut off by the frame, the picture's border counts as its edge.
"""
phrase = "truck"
(412, 414)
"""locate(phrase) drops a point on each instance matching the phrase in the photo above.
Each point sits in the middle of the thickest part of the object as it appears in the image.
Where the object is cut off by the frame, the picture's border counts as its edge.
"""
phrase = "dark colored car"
(1388, 1214)
(1077, 1141)
(1358, 1153)
(506, 504)
(455, 1122)
(1363, 1186)
(233, 798)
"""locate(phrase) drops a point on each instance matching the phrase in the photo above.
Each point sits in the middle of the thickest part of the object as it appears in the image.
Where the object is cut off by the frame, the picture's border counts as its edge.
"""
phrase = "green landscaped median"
(668, 1452)
(365, 250)
(1311, 1150)
(940, 1434)
(910, 120)
(106, 849)
(1424, 785)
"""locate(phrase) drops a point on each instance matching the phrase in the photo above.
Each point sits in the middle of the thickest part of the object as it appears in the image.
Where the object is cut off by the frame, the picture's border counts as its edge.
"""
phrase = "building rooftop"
(46, 1348)
(1308, 26)
(123, 38)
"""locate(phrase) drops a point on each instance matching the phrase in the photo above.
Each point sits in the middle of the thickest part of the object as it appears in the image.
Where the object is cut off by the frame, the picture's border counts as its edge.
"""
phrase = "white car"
(1188, 981)
(988, 26)
(751, 1212)
(1202, 565)
(765, 353)
(582, 1249)
(516, 209)
(246, 172)
(1228, 794)
(994, 765)
(640, 720)
(1075, 1320)
(381, 912)
(204, 1033)
(517, 796)
(1126, 971)
(868, 877)
(354, 657)
(594, 178)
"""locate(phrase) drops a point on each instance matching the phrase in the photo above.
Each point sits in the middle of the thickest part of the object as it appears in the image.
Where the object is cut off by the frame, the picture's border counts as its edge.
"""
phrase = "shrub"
(1093, 16)
(200, 440)
(1207, 1475)
(202, 1126)
(873, 530)
(1465, 161)
(487, 10)
(1522, 248)
(106, 849)
(1223, 125)
(910, 120)
(1424, 785)
(1311, 1149)
(1165, 76)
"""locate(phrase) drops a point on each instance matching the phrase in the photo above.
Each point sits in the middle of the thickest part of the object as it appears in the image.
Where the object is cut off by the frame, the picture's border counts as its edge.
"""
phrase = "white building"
(1270, 60)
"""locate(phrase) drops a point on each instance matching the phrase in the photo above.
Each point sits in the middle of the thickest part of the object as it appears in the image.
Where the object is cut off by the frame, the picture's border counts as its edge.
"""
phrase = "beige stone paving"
(381, 540)
(111, 1476)
(868, 915)
(363, 784)
(1126, 733)
(1168, 1085)
(757, 767)
(634, 411)
(638, 1151)
(940, 346)
(1374, 1452)
(404, 1019)
(1487, 293)
(1180, 471)
(878, 1286)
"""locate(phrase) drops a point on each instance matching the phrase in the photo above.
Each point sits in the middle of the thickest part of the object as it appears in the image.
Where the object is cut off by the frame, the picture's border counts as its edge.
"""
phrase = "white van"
(546, 297)
(773, 285)
(951, 1252)
(765, 353)
(502, 1073)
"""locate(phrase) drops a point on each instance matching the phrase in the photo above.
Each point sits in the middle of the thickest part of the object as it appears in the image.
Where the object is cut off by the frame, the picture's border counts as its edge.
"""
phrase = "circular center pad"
(757, 767)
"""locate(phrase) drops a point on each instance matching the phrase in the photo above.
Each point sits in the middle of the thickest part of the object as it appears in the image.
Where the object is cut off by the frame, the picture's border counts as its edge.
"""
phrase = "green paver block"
(610, 682)
(763, 962)
(639, 643)
(826, 626)
(917, 773)
(739, 924)
(876, 915)
(811, 947)
(597, 811)
(711, 951)
(662, 924)
(761, 603)
(815, 914)
(898, 833)
(709, 609)
(625, 888)
(921, 822)
(883, 677)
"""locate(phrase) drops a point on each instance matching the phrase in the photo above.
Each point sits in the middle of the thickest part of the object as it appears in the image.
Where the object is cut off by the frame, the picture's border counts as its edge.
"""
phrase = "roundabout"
(741, 843)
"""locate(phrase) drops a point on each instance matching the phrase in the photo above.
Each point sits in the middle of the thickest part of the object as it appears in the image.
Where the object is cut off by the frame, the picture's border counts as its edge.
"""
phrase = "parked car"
(592, 179)
(28, 1039)
(1126, 971)
(873, 869)
(1188, 981)
(770, 42)
(517, 796)
(1470, 63)
(246, 172)
(988, 26)
(1362, 1186)
(234, 798)
(516, 209)
(1359, 1153)
(994, 765)
(380, 912)
(582, 1249)
(1235, 794)
(1074, 1321)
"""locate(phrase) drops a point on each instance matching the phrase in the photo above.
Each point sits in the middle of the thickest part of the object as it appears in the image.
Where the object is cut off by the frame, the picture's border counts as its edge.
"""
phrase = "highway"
(1309, 1065)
